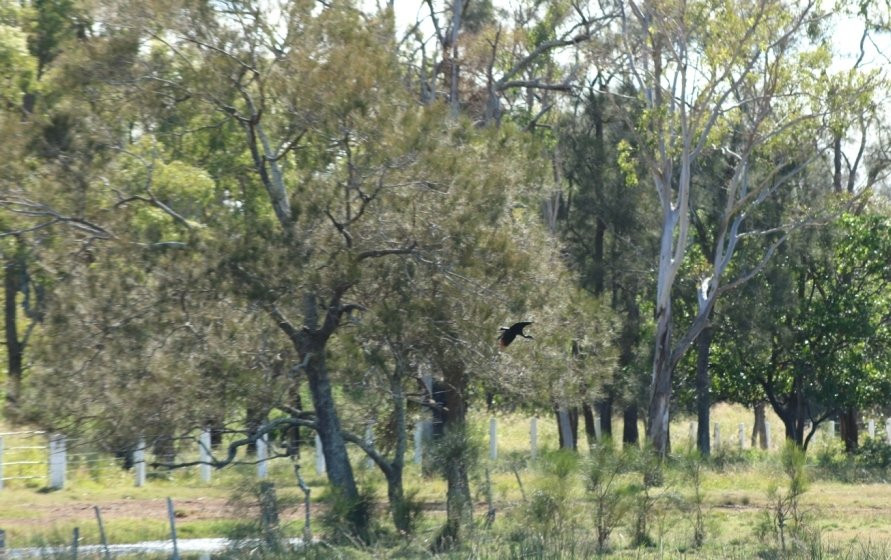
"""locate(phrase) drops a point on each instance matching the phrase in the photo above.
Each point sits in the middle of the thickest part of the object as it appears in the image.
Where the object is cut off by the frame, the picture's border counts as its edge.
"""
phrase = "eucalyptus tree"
(490, 60)
(738, 78)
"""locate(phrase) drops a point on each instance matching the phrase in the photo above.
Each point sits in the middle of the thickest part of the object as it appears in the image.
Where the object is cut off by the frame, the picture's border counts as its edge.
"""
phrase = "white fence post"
(597, 429)
(369, 441)
(888, 429)
(139, 463)
(533, 436)
(57, 461)
(742, 436)
(262, 455)
(1, 464)
(493, 439)
(767, 433)
(831, 429)
(320, 456)
(716, 443)
(692, 434)
(871, 429)
(204, 455)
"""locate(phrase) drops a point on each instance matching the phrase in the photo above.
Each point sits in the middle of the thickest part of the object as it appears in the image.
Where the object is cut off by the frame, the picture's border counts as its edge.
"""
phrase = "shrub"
(611, 499)
(874, 453)
(784, 520)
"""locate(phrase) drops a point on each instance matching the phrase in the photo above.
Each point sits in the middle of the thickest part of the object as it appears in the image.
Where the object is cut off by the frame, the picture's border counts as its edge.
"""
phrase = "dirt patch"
(186, 509)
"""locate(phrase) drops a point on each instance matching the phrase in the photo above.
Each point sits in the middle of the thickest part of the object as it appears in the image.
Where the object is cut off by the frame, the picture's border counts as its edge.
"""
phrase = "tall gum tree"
(726, 76)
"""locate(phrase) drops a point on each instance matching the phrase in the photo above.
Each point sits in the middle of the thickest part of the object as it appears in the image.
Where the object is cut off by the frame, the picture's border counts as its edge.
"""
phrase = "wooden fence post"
(75, 539)
(692, 435)
(742, 436)
(204, 455)
(57, 461)
(102, 538)
(139, 463)
(172, 515)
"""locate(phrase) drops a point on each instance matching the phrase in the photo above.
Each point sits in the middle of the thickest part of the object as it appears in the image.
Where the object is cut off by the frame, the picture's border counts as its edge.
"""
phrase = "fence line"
(21, 458)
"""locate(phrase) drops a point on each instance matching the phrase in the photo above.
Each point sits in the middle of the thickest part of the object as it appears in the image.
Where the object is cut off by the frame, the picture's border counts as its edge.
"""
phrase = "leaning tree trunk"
(703, 389)
(310, 343)
(337, 462)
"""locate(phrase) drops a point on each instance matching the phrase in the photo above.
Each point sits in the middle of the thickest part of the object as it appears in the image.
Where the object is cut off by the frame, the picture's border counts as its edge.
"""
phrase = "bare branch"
(384, 252)
(534, 84)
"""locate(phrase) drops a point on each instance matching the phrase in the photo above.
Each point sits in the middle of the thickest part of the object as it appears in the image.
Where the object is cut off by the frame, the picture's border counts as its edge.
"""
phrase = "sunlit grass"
(852, 517)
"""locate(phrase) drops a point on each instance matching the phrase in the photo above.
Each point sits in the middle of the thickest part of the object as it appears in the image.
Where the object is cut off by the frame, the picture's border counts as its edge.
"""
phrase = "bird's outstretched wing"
(508, 334)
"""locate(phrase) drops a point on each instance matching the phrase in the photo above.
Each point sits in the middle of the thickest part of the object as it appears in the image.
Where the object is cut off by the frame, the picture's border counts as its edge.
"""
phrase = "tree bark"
(759, 428)
(254, 419)
(590, 431)
(630, 434)
(395, 492)
(337, 463)
(703, 391)
(567, 427)
(660, 389)
(459, 506)
(310, 343)
(848, 429)
(14, 349)
(604, 410)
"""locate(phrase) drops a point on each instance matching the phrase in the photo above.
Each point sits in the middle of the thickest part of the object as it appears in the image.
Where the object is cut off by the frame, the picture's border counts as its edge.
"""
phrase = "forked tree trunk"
(310, 343)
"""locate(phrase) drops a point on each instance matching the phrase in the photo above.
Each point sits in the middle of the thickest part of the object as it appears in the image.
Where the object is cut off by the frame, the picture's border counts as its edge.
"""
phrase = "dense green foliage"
(263, 218)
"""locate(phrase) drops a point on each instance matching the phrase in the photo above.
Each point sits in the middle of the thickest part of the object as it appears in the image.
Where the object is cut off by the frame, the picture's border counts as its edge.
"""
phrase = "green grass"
(850, 518)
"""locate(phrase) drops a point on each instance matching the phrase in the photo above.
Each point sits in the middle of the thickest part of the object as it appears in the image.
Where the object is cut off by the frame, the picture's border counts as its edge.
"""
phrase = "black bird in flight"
(509, 334)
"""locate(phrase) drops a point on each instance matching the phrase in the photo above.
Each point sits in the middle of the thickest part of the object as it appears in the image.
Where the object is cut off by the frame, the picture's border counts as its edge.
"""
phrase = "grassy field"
(846, 507)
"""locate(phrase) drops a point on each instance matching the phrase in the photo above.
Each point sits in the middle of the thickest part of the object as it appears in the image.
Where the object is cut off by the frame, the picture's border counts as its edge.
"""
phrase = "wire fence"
(36, 459)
